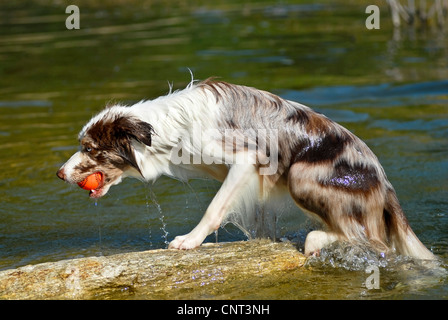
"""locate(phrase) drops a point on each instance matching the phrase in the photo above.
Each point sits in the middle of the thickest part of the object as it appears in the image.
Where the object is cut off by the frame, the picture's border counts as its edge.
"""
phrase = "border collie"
(256, 144)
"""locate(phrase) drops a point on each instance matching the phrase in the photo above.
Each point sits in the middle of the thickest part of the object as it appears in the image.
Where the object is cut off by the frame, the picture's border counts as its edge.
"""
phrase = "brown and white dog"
(256, 144)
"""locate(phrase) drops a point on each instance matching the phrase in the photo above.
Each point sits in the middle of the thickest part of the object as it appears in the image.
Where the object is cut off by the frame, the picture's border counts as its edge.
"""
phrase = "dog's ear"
(142, 132)
(126, 129)
(135, 129)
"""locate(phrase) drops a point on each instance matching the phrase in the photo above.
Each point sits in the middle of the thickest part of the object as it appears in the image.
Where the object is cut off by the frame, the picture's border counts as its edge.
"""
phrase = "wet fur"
(329, 173)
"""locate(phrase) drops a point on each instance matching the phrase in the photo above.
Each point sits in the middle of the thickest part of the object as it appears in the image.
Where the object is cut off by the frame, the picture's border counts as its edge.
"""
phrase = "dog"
(257, 144)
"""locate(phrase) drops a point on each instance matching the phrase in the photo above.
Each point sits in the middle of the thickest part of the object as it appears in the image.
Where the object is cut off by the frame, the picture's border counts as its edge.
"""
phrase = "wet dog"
(256, 144)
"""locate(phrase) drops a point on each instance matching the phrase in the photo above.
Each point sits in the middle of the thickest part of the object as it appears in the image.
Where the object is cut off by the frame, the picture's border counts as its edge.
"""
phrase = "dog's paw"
(316, 240)
(315, 254)
(185, 242)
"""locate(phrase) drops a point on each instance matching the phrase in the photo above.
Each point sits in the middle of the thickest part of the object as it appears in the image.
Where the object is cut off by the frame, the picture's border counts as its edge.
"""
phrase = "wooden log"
(154, 274)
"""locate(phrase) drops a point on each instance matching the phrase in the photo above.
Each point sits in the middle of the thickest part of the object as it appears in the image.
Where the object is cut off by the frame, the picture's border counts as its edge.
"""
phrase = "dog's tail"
(401, 236)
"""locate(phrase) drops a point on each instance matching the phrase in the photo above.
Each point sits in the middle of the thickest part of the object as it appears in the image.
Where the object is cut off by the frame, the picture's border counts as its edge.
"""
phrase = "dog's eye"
(88, 149)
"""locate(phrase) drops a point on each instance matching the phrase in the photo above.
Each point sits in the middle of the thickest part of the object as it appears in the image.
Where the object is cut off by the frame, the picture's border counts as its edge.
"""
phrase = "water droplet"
(161, 216)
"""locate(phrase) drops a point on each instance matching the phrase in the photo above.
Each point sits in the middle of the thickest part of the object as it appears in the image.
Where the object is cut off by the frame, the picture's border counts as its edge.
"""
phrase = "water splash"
(357, 257)
(397, 274)
(147, 204)
(161, 216)
(100, 223)
(348, 256)
(194, 192)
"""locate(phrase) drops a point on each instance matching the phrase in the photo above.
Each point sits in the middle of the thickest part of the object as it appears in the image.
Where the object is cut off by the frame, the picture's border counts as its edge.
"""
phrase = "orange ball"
(91, 182)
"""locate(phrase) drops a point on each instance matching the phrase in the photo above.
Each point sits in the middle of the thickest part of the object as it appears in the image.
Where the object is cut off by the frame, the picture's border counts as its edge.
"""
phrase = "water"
(389, 88)
(161, 217)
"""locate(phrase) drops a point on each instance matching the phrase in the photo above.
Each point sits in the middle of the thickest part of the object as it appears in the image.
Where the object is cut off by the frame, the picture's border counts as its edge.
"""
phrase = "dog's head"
(107, 146)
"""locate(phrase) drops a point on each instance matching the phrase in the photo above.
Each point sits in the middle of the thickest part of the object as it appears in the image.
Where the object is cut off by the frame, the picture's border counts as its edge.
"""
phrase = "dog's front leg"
(237, 179)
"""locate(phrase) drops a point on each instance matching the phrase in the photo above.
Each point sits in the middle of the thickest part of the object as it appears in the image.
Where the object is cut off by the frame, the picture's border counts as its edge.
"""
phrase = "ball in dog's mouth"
(93, 183)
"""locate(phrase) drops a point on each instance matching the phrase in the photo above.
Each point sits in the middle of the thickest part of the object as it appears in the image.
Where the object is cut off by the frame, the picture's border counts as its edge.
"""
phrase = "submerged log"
(154, 274)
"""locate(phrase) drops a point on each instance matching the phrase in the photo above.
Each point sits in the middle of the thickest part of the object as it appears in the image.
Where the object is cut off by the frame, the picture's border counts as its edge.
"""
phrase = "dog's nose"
(61, 174)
